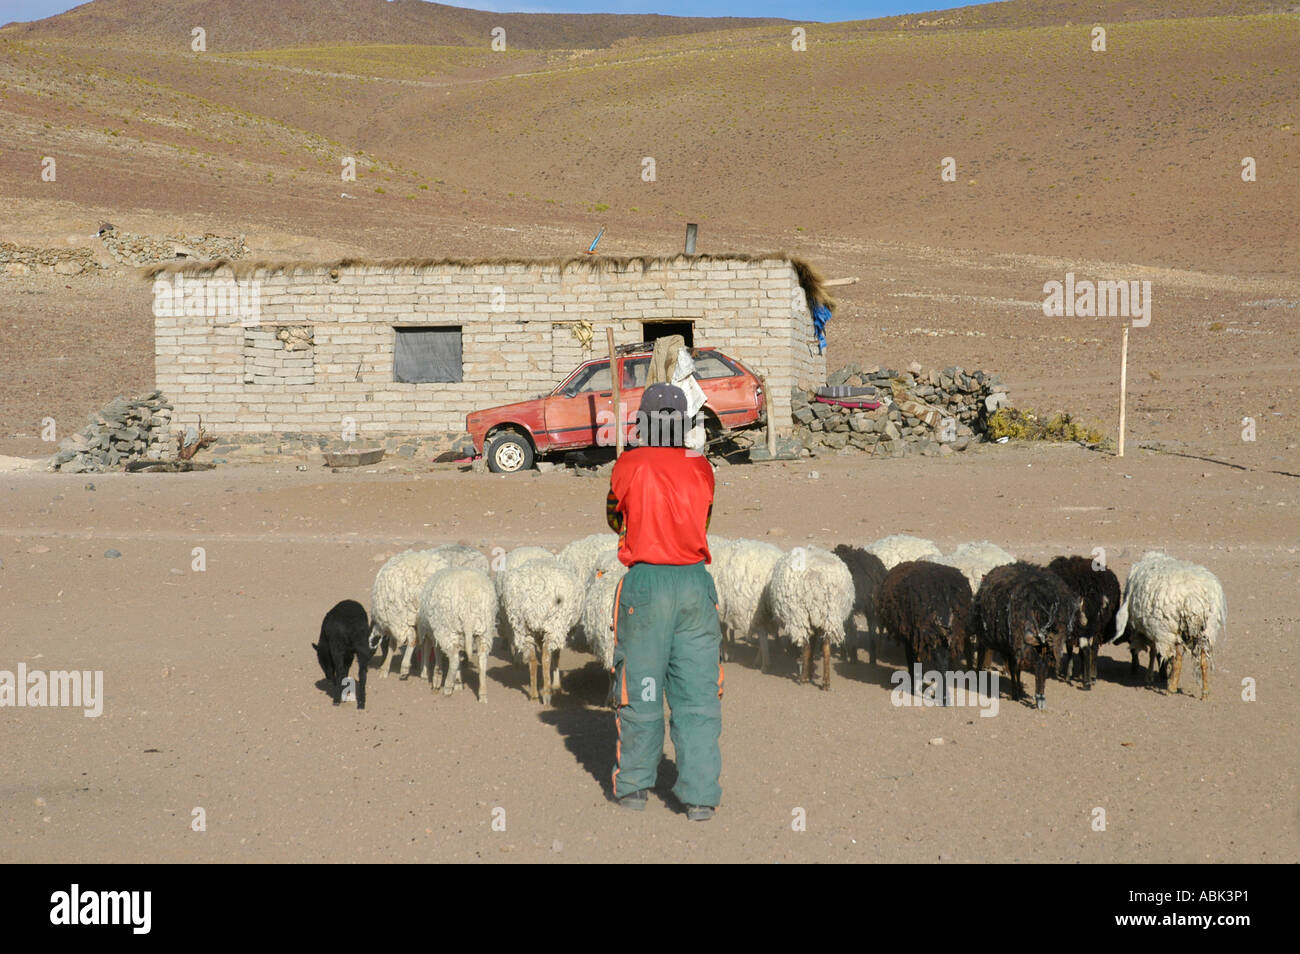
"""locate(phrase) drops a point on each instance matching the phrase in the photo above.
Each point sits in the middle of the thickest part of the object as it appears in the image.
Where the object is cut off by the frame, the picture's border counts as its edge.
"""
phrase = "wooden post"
(1123, 388)
(771, 426)
(617, 393)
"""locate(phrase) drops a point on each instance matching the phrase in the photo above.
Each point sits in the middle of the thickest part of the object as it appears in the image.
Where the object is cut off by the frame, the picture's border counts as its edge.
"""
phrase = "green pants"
(667, 641)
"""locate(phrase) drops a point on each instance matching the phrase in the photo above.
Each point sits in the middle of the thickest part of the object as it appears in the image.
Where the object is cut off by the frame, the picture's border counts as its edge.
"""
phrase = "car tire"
(713, 428)
(508, 453)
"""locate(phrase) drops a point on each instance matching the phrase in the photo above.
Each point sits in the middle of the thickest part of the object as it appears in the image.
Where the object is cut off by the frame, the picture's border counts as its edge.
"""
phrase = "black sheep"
(1099, 589)
(927, 608)
(344, 633)
(1027, 614)
(868, 573)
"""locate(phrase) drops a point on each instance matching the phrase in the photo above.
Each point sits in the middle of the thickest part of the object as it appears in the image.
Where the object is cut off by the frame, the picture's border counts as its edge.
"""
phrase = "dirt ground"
(213, 697)
(1118, 166)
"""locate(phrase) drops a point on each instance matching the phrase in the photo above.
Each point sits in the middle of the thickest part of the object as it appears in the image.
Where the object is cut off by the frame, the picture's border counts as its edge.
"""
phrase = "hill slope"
(257, 25)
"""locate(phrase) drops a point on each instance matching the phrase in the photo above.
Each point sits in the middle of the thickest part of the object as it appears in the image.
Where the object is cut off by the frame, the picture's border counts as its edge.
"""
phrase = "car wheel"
(713, 429)
(509, 453)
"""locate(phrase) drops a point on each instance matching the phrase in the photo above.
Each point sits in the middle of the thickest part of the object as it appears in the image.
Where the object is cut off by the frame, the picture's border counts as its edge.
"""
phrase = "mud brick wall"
(523, 327)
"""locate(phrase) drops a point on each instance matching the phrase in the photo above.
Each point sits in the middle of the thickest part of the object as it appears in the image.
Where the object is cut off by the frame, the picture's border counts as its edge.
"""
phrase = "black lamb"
(927, 607)
(868, 573)
(1099, 590)
(1027, 614)
(344, 633)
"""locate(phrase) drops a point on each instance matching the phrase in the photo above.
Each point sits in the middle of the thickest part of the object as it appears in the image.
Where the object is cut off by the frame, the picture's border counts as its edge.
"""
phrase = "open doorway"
(654, 330)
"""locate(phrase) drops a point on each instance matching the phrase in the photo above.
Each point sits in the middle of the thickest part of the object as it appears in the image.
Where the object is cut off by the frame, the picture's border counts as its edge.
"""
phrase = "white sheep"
(458, 612)
(1170, 605)
(975, 559)
(811, 595)
(395, 604)
(581, 555)
(901, 548)
(597, 620)
(741, 573)
(542, 601)
(607, 563)
(458, 554)
(395, 598)
(521, 555)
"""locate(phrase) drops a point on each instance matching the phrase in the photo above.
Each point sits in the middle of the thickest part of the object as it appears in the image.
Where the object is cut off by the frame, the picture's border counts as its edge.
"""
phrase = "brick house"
(408, 347)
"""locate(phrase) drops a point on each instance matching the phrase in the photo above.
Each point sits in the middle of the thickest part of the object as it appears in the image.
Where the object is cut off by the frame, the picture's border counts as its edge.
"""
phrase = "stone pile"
(131, 249)
(934, 412)
(125, 430)
(23, 259)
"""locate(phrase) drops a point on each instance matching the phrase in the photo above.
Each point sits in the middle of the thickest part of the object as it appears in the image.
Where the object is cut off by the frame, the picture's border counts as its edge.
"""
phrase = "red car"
(512, 436)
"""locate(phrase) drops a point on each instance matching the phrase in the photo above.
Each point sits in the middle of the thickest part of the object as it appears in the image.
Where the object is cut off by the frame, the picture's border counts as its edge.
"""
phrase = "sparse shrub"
(1028, 425)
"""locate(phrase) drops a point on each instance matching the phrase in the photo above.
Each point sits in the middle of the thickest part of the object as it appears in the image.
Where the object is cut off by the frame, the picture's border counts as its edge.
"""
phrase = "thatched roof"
(809, 278)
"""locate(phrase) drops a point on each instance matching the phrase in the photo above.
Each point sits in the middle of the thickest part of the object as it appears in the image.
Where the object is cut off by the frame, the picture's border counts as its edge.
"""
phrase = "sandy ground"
(213, 699)
(1123, 166)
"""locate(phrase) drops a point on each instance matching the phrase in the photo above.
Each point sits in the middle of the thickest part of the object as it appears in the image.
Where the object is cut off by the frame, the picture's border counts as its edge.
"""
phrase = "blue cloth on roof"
(821, 314)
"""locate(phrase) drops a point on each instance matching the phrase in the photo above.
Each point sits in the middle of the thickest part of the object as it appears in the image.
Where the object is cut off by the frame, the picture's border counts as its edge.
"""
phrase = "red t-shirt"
(659, 502)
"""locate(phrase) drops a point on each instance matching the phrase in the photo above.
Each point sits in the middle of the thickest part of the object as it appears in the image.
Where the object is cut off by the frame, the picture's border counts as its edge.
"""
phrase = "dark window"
(427, 355)
(654, 330)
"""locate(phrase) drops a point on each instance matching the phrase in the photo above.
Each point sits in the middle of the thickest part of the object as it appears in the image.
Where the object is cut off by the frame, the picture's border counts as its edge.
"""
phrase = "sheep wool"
(927, 607)
(458, 610)
(811, 595)
(1098, 587)
(1171, 605)
(741, 573)
(1027, 614)
(598, 615)
(542, 600)
(395, 603)
(460, 555)
(581, 555)
(976, 559)
(901, 547)
(868, 572)
(521, 555)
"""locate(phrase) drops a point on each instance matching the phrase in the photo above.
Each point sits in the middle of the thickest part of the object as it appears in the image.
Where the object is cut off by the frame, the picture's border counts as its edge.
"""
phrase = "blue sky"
(805, 10)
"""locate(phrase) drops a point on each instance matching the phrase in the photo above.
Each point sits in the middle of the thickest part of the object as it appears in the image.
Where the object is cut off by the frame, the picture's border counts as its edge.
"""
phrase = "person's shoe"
(699, 812)
(636, 801)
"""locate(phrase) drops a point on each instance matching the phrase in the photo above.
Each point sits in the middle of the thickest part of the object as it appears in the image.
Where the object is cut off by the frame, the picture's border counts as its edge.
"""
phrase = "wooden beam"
(616, 389)
(771, 424)
(1123, 388)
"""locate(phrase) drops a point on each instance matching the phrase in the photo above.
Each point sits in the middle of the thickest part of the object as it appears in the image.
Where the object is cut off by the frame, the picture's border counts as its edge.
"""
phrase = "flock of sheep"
(447, 603)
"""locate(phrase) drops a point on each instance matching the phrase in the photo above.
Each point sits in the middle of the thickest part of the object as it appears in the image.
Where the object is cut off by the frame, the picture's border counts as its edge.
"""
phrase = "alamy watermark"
(1104, 299)
(38, 689)
(75, 906)
(661, 428)
(176, 296)
(933, 687)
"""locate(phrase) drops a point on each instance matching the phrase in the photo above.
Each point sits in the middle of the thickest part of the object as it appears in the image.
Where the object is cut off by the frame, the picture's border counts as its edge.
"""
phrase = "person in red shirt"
(667, 634)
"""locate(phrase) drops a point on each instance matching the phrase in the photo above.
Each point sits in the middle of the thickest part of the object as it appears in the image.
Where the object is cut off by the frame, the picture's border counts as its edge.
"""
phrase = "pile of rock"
(24, 259)
(125, 430)
(933, 413)
(129, 248)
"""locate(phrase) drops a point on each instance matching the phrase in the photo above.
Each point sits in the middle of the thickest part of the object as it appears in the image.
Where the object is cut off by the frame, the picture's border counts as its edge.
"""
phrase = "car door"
(575, 412)
(632, 383)
(730, 393)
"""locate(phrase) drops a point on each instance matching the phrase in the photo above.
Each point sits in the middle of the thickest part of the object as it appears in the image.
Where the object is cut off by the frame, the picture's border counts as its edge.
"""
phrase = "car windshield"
(594, 377)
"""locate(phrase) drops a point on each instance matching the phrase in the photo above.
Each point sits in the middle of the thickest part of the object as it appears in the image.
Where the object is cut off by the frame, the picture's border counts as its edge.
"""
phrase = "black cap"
(661, 420)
